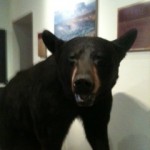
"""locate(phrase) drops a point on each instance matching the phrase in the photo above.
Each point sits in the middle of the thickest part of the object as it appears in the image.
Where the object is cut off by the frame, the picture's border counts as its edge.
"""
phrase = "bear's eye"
(98, 59)
(72, 59)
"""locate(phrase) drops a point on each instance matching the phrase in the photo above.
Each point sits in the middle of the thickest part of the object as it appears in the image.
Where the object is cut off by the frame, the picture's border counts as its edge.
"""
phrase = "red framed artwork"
(136, 16)
(42, 51)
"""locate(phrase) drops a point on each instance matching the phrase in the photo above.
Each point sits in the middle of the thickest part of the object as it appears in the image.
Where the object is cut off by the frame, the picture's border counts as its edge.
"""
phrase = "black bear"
(39, 104)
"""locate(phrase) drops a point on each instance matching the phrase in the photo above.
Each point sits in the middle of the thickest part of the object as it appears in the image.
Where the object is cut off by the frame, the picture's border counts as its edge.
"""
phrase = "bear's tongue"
(82, 98)
(85, 100)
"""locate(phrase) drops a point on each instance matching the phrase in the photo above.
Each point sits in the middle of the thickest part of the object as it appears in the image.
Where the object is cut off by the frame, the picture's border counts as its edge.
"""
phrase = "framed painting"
(42, 51)
(75, 18)
(136, 16)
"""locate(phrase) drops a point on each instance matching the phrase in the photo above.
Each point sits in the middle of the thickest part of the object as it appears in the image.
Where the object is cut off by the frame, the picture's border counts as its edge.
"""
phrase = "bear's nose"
(83, 86)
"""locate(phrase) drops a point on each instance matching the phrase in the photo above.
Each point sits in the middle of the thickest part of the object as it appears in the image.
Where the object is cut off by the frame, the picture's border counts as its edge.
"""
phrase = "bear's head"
(88, 66)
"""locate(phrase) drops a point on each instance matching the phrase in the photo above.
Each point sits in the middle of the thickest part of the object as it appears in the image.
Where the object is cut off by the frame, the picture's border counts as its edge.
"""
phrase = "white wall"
(129, 128)
(42, 19)
(4, 14)
(20, 8)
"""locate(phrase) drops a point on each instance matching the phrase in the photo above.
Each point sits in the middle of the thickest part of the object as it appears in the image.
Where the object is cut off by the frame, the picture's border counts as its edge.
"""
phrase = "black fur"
(38, 105)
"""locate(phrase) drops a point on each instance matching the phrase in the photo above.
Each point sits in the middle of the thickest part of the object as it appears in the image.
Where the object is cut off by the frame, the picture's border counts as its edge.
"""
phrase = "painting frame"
(42, 51)
(136, 16)
(81, 20)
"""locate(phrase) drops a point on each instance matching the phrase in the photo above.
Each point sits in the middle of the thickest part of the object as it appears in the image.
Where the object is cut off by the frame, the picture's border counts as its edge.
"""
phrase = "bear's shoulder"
(42, 75)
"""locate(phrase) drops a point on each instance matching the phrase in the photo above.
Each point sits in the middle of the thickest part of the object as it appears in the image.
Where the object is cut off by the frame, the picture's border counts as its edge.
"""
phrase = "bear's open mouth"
(84, 100)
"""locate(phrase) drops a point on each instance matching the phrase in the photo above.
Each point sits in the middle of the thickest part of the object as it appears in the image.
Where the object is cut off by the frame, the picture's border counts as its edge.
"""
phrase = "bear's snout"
(83, 88)
(83, 85)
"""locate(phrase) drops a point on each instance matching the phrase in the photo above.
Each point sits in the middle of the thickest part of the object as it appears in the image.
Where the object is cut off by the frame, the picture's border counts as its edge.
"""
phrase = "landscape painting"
(75, 18)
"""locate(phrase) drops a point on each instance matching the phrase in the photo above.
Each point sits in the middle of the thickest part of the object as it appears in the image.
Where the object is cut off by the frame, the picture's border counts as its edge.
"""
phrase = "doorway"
(24, 34)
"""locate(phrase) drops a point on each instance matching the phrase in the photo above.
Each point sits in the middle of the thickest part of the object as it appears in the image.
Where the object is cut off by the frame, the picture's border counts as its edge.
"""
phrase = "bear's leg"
(53, 135)
(21, 144)
(96, 133)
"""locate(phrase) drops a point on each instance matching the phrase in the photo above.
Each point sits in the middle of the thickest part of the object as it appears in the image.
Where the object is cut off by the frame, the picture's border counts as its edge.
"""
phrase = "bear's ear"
(51, 41)
(125, 42)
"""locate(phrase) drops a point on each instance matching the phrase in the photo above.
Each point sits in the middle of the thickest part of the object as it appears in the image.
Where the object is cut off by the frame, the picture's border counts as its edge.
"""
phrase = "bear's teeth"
(78, 98)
